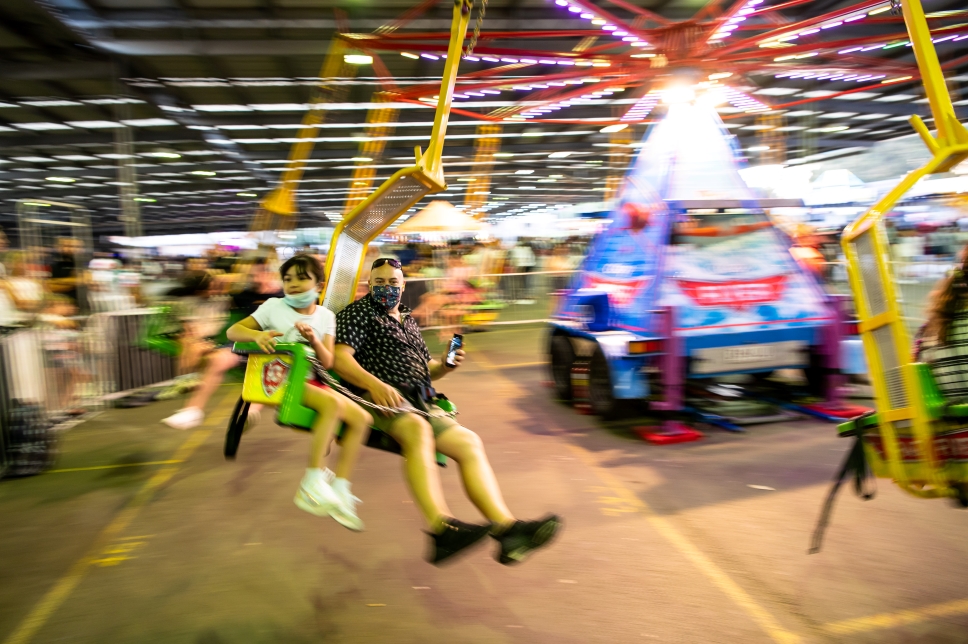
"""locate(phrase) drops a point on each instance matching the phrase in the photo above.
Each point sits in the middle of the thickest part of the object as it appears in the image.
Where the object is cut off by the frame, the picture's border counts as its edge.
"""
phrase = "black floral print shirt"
(394, 352)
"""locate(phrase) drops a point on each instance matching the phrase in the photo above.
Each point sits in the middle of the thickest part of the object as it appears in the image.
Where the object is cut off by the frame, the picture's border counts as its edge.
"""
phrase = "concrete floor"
(146, 534)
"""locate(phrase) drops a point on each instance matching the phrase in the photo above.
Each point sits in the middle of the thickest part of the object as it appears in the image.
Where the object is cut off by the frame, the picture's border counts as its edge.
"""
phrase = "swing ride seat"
(157, 334)
(948, 423)
(917, 438)
(278, 380)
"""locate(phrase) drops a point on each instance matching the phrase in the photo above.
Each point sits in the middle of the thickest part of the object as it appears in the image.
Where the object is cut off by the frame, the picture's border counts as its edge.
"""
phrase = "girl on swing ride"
(297, 317)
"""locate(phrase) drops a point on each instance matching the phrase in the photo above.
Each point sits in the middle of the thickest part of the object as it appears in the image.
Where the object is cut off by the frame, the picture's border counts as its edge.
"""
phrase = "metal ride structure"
(720, 48)
(403, 189)
(917, 437)
(278, 379)
(278, 210)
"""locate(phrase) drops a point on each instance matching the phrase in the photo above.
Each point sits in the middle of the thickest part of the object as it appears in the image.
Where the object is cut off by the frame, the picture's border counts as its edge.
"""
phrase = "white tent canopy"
(440, 217)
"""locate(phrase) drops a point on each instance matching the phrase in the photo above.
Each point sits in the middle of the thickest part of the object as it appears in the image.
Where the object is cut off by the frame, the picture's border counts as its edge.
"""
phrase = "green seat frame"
(157, 337)
(934, 401)
(293, 413)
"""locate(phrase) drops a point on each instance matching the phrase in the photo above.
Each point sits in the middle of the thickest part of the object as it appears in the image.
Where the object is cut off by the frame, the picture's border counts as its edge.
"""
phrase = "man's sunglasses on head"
(395, 263)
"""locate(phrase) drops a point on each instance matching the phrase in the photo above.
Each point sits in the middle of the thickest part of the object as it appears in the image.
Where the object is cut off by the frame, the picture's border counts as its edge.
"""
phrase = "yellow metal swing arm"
(406, 187)
(897, 391)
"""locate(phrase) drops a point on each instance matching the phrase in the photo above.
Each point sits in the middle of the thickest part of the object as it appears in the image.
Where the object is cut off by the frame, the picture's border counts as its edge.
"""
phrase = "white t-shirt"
(275, 315)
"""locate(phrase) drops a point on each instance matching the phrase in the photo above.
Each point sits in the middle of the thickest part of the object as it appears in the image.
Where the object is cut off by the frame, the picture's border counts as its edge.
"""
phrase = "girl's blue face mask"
(387, 295)
(301, 300)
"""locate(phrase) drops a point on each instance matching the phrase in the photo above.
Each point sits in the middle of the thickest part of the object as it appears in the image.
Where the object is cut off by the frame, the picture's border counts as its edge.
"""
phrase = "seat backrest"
(934, 400)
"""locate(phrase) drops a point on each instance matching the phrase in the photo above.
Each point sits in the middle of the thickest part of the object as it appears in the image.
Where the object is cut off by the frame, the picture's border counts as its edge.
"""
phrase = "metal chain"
(338, 386)
(477, 29)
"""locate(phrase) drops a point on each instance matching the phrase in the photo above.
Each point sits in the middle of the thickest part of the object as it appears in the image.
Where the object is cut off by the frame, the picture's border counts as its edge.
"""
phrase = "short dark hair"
(305, 266)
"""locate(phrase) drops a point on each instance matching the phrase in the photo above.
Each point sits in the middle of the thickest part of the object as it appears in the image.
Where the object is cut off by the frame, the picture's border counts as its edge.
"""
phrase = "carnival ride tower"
(692, 279)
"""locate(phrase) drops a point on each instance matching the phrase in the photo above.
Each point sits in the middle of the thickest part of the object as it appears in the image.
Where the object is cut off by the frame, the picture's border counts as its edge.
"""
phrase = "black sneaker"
(525, 536)
(455, 536)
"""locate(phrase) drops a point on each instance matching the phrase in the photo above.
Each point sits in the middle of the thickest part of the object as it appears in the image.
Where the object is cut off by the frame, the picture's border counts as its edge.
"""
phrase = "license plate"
(749, 353)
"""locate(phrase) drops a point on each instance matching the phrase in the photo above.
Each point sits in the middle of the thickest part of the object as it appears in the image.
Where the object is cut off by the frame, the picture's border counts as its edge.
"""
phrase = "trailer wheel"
(562, 357)
(600, 392)
(816, 375)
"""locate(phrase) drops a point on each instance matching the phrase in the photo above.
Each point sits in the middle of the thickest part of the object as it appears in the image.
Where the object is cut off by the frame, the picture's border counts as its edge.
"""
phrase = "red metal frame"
(684, 44)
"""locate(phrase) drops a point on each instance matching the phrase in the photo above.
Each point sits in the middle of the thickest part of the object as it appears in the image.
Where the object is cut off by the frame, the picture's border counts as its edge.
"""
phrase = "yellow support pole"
(484, 150)
(613, 183)
(897, 392)
(363, 174)
(279, 205)
(396, 195)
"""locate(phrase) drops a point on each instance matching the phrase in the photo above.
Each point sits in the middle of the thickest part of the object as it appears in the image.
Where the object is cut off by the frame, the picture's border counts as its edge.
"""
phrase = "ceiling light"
(203, 173)
(162, 154)
(524, 172)
(36, 203)
(38, 127)
(94, 125)
(618, 127)
(358, 59)
(145, 199)
(61, 179)
(246, 194)
(719, 75)
(504, 155)
(758, 148)
(407, 54)
(558, 155)
(361, 159)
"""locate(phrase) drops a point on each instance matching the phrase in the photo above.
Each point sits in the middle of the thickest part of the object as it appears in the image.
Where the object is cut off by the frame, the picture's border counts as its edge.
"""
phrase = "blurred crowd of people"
(62, 292)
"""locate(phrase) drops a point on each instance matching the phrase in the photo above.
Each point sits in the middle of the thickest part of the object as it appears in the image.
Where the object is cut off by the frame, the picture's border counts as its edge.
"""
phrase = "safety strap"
(864, 486)
(338, 386)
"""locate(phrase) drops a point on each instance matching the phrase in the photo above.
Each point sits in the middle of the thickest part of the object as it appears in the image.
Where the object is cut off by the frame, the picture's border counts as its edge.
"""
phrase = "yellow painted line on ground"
(112, 467)
(897, 618)
(498, 367)
(64, 586)
(706, 566)
(762, 617)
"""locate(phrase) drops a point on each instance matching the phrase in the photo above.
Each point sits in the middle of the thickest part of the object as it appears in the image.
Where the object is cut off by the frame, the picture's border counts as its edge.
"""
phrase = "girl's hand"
(306, 331)
(267, 340)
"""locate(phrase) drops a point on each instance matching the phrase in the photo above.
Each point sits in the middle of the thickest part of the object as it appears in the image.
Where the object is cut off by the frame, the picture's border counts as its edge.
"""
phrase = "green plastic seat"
(159, 333)
(935, 402)
(291, 412)
(938, 406)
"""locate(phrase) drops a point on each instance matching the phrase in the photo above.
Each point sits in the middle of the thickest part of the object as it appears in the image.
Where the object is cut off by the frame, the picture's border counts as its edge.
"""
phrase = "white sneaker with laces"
(344, 512)
(187, 418)
(315, 494)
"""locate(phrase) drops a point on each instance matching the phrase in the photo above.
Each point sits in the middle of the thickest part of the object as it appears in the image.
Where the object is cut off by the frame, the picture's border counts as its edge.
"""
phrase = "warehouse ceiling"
(203, 98)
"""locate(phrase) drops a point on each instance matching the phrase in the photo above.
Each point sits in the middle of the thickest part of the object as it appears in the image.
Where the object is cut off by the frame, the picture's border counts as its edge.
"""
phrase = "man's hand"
(384, 395)
(267, 340)
(306, 331)
(458, 358)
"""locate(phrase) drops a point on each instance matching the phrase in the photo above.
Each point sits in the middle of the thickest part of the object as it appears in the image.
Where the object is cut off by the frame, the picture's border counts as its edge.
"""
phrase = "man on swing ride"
(380, 350)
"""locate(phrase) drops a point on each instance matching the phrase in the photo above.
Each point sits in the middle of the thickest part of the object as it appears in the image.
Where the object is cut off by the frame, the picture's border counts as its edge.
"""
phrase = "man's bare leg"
(467, 450)
(420, 467)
